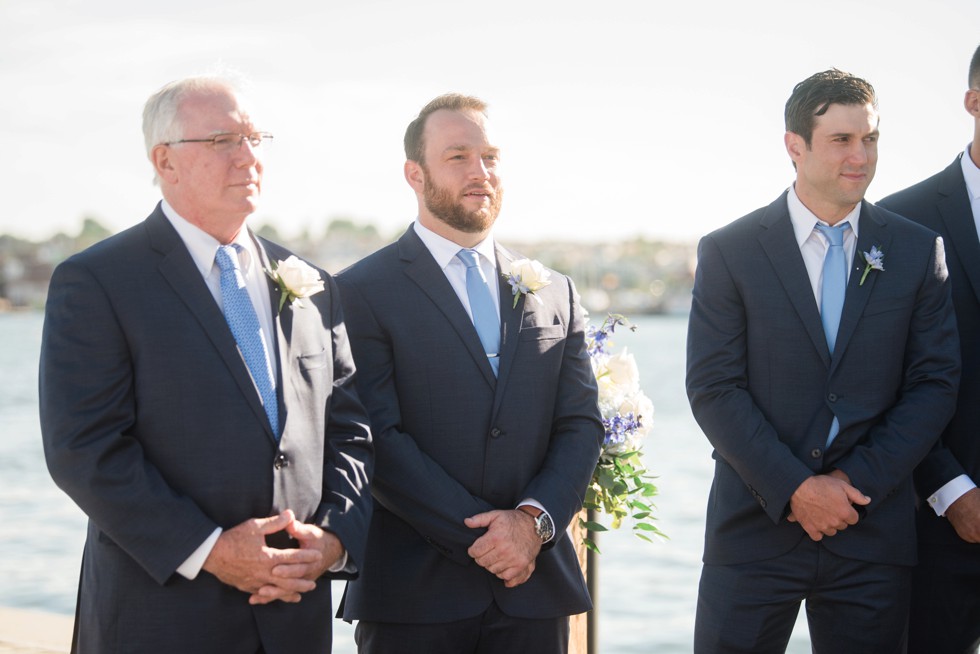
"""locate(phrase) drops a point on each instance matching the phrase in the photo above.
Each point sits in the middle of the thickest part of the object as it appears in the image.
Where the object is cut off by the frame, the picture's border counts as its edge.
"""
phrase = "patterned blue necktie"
(244, 324)
(481, 306)
(833, 288)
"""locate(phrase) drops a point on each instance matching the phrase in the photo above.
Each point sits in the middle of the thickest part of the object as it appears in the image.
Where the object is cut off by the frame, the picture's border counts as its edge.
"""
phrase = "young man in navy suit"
(945, 615)
(483, 403)
(213, 436)
(822, 366)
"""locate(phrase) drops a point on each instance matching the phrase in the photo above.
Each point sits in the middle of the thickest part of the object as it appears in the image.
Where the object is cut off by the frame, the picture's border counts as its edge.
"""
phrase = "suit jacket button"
(815, 453)
(494, 433)
(281, 462)
(832, 397)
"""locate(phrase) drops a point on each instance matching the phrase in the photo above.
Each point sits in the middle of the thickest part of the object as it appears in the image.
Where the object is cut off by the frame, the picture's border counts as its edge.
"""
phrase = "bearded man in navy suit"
(483, 404)
(822, 366)
(212, 434)
(945, 616)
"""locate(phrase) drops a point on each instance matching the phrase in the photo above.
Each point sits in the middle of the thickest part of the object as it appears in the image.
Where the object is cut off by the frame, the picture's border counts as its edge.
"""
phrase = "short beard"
(441, 204)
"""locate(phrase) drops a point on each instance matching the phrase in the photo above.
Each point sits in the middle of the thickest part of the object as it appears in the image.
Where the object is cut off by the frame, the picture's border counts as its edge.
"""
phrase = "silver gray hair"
(161, 121)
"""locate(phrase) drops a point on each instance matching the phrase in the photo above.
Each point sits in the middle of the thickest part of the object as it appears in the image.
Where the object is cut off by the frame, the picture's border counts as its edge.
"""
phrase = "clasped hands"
(824, 504)
(509, 547)
(241, 558)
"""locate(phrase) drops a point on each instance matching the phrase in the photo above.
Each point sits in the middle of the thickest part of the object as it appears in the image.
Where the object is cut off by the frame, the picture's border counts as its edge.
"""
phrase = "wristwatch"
(543, 526)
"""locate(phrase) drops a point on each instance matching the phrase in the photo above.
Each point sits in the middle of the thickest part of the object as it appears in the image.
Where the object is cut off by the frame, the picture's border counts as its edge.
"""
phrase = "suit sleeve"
(927, 399)
(88, 410)
(577, 430)
(717, 387)
(348, 460)
(407, 482)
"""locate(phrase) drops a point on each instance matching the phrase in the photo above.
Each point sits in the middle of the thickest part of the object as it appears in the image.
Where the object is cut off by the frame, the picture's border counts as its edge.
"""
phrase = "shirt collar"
(203, 247)
(444, 251)
(803, 219)
(971, 174)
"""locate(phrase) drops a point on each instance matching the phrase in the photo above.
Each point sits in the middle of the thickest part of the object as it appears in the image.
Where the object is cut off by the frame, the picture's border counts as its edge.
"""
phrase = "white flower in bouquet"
(617, 376)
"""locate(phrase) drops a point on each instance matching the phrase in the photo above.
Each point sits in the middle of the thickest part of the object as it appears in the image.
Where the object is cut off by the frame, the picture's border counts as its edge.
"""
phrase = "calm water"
(647, 591)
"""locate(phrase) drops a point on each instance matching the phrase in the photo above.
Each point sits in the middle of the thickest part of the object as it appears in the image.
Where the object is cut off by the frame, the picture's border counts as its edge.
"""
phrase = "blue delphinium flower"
(875, 260)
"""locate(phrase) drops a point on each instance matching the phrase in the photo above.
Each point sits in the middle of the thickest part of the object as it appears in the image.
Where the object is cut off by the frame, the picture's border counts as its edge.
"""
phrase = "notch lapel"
(511, 318)
(872, 231)
(282, 323)
(956, 211)
(179, 270)
(779, 243)
(422, 269)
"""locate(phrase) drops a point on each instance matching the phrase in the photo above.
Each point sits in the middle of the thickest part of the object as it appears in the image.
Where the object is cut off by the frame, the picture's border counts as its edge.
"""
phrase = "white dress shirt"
(444, 252)
(813, 244)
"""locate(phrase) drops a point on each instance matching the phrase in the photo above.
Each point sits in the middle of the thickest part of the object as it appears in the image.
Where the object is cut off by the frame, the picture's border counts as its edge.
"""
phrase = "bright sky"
(617, 118)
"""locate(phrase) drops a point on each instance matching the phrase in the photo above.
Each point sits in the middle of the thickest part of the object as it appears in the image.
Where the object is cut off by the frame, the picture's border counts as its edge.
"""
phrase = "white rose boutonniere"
(297, 280)
(526, 277)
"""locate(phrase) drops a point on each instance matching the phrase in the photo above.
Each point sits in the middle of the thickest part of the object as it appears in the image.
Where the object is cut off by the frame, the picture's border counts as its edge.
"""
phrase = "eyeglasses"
(228, 142)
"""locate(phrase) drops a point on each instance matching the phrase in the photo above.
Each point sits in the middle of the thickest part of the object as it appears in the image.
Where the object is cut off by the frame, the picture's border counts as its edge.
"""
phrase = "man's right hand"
(240, 558)
(823, 505)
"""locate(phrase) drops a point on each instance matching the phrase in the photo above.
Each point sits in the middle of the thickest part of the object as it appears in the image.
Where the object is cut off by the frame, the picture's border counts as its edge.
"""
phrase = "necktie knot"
(470, 258)
(227, 257)
(834, 235)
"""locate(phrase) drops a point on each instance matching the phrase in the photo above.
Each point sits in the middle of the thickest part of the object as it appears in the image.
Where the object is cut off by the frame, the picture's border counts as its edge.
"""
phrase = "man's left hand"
(509, 547)
(964, 515)
(310, 537)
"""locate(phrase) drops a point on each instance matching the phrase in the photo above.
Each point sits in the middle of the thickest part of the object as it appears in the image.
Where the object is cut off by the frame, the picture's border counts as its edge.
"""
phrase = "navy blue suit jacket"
(452, 441)
(153, 426)
(942, 204)
(764, 387)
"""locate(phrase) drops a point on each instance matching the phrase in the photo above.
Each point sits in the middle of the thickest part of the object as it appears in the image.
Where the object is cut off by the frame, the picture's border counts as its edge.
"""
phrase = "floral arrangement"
(620, 485)
(296, 280)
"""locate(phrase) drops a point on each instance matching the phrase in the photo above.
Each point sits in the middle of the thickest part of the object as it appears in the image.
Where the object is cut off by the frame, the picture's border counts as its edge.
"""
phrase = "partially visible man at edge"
(484, 409)
(945, 614)
(197, 424)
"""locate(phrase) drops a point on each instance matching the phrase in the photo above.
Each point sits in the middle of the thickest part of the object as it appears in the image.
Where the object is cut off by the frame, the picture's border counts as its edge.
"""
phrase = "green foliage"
(621, 489)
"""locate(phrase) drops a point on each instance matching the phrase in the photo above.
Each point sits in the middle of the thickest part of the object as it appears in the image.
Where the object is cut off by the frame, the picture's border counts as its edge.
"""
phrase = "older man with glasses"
(204, 421)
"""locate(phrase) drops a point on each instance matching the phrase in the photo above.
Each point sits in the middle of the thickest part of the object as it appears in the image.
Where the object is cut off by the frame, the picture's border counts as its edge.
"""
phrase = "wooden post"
(584, 627)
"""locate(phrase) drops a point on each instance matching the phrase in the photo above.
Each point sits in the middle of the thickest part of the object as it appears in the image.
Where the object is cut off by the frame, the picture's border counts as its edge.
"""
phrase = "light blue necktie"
(481, 306)
(244, 324)
(833, 288)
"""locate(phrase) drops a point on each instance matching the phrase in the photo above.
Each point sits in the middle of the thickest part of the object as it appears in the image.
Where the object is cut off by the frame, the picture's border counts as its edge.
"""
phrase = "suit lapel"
(511, 318)
(779, 243)
(872, 231)
(422, 269)
(178, 268)
(956, 212)
(282, 323)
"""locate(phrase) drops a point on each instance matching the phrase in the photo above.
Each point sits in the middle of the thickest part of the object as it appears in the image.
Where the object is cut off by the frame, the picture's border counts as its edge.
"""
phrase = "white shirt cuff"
(339, 564)
(953, 490)
(530, 502)
(192, 566)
